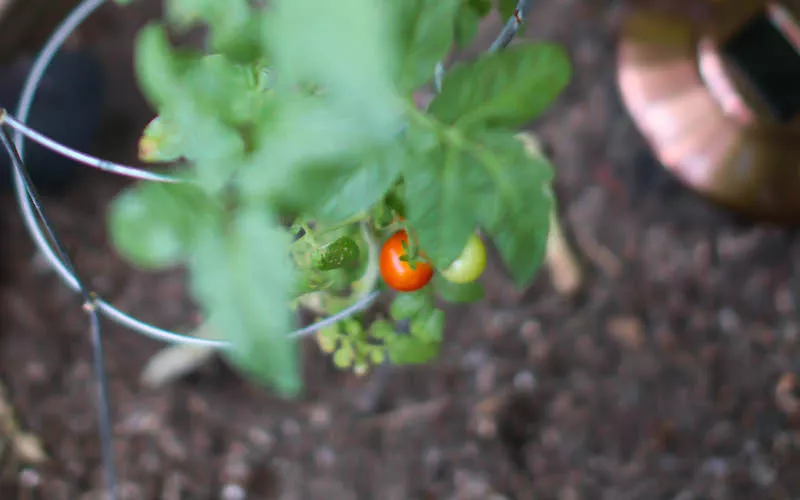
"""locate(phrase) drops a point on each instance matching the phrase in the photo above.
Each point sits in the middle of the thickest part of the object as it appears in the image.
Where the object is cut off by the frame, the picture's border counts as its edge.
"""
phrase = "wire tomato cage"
(48, 244)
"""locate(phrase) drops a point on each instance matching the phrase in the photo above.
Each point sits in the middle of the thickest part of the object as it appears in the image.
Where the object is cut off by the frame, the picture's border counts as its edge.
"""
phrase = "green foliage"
(301, 146)
(423, 32)
(155, 225)
(426, 325)
(457, 293)
(505, 89)
(243, 278)
(468, 20)
(507, 7)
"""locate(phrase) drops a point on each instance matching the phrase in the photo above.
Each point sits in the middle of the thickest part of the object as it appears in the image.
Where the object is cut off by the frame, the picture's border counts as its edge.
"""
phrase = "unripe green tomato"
(343, 357)
(377, 356)
(361, 369)
(326, 343)
(469, 265)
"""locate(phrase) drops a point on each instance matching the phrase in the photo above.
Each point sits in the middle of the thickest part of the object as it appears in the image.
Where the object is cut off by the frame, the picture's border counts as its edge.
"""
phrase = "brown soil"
(658, 382)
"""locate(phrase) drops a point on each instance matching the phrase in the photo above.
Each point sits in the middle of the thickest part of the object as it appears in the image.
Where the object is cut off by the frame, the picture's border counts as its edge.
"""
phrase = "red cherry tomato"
(398, 273)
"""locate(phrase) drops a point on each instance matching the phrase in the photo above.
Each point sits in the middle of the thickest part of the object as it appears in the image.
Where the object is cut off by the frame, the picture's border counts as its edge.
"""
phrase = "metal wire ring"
(54, 43)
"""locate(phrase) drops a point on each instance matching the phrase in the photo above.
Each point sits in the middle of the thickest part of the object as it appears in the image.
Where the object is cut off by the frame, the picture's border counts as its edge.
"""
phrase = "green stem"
(308, 234)
(352, 220)
(369, 279)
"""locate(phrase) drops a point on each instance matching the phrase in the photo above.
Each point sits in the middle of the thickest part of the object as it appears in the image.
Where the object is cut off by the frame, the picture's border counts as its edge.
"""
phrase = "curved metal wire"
(90, 306)
(91, 161)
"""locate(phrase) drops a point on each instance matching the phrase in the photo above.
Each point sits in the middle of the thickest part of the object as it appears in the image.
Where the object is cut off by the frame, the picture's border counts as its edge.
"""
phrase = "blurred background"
(669, 375)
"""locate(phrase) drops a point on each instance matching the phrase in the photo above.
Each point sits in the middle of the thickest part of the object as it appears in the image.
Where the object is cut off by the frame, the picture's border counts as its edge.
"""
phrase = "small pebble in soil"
(728, 320)
(474, 359)
(290, 428)
(538, 345)
(236, 468)
(325, 457)
(320, 417)
(36, 372)
(469, 484)
(789, 332)
(498, 324)
(261, 439)
(569, 492)
(150, 462)
(485, 378)
(470, 450)
(233, 492)
(531, 329)
(628, 331)
(30, 478)
(485, 426)
(716, 467)
(761, 473)
(784, 301)
(524, 381)
(433, 458)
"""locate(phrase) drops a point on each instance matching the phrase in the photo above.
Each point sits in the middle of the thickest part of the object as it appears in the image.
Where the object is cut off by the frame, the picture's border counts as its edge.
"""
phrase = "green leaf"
(307, 137)
(345, 48)
(233, 91)
(428, 325)
(311, 282)
(382, 329)
(470, 14)
(423, 34)
(407, 305)
(408, 350)
(466, 27)
(341, 253)
(504, 89)
(217, 151)
(516, 201)
(482, 7)
(156, 67)
(154, 224)
(480, 178)
(334, 191)
(458, 294)
(439, 205)
(507, 8)
(160, 142)
(377, 356)
(182, 86)
(235, 25)
(242, 276)
(337, 125)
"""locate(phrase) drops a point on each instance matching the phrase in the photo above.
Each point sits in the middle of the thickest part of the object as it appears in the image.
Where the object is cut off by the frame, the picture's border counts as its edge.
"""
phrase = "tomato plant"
(398, 267)
(469, 265)
(301, 147)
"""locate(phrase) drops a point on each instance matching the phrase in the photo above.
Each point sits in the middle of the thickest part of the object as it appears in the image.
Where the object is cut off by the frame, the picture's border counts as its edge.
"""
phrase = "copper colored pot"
(718, 99)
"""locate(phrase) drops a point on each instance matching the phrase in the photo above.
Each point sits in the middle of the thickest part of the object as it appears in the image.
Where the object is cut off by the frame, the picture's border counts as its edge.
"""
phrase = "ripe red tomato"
(398, 273)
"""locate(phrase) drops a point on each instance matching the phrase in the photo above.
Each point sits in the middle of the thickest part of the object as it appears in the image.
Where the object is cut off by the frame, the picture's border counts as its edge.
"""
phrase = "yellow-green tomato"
(469, 265)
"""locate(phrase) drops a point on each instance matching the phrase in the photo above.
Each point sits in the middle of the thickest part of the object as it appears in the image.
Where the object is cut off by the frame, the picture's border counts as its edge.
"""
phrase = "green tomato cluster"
(352, 346)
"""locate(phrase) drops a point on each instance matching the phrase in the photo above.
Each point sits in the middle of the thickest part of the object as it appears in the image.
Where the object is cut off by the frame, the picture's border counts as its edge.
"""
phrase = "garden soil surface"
(669, 376)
